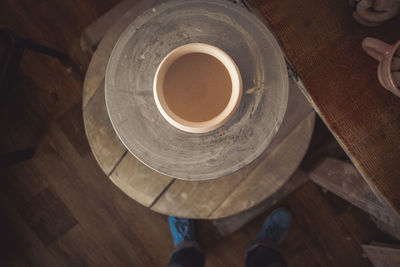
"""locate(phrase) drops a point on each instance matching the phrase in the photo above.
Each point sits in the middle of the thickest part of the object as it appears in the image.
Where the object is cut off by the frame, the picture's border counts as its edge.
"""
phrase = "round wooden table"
(211, 199)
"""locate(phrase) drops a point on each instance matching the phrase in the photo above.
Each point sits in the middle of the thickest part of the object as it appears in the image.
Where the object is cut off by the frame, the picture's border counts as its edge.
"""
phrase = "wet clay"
(197, 87)
(395, 68)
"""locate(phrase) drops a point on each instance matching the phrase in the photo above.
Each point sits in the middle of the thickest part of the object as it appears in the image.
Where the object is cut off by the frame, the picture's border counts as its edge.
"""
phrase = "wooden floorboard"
(60, 209)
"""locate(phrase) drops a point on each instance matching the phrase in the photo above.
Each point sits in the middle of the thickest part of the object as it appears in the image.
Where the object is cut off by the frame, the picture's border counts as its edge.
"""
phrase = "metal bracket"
(291, 71)
(241, 3)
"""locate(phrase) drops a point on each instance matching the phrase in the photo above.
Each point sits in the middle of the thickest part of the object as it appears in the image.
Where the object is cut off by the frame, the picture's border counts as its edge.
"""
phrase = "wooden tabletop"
(323, 42)
(217, 198)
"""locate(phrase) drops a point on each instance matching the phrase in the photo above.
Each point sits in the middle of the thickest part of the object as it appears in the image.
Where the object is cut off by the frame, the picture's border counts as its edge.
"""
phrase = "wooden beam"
(383, 255)
(93, 33)
(343, 179)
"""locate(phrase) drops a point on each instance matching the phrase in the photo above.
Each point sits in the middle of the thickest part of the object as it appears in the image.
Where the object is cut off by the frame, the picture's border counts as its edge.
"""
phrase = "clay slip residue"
(197, 87)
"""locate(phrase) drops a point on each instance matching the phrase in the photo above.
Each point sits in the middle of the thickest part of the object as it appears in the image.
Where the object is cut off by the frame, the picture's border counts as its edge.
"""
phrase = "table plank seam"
(162, 193)
(101, 85)
(117, 163)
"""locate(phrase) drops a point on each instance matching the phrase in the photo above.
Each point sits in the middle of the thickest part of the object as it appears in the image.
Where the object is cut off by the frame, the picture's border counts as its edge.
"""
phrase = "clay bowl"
(197, 88)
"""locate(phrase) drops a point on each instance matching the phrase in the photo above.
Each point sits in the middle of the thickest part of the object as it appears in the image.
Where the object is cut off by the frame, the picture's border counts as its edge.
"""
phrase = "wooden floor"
(59, 209)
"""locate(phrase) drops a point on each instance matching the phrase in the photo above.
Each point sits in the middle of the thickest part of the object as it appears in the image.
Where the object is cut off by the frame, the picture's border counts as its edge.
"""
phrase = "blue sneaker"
(182, 229)
(276, 226)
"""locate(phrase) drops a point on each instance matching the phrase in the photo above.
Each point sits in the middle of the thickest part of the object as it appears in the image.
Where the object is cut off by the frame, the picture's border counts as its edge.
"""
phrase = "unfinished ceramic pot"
(389, 65)
(197, 87)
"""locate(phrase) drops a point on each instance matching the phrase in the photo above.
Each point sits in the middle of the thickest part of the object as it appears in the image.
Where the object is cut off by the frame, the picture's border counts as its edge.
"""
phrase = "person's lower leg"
(264, 252)
(187, 252)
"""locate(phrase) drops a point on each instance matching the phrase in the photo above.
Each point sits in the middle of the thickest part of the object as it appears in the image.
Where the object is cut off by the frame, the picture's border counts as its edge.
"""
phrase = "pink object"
(384, 53)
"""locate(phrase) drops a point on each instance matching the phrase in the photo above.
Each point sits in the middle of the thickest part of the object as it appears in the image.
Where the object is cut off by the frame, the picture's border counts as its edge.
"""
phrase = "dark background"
(60, 209)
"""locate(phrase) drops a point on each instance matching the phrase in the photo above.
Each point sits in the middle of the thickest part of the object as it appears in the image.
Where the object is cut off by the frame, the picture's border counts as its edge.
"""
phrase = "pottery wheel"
(129, 88)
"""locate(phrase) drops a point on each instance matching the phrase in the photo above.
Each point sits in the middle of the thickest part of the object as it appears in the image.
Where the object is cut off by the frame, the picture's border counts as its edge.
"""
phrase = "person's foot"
(276, 226)
(181, 229)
